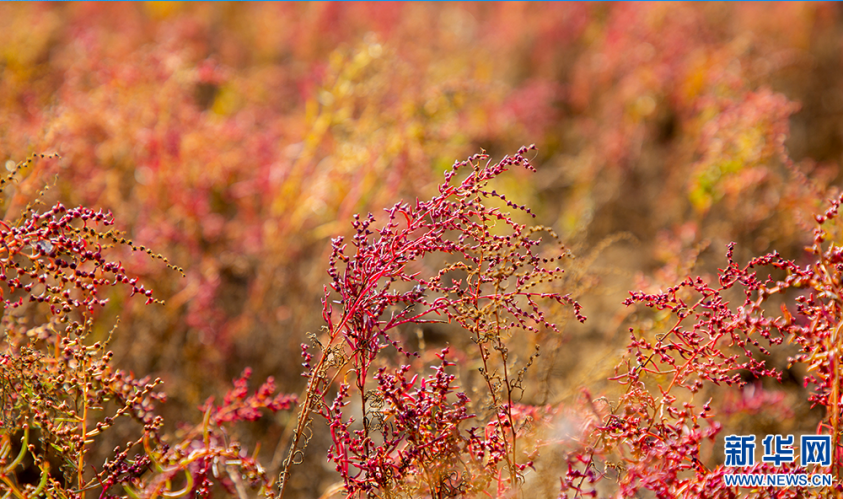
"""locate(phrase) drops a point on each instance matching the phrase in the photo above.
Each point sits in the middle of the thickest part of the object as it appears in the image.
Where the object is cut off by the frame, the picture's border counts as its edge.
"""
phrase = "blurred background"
(237, 139)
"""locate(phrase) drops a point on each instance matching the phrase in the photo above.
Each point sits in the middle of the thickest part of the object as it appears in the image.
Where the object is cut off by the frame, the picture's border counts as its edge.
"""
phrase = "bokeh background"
(237, 139)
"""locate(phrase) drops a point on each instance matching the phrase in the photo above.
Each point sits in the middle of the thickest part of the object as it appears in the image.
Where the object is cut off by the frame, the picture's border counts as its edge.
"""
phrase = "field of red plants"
(420, 250)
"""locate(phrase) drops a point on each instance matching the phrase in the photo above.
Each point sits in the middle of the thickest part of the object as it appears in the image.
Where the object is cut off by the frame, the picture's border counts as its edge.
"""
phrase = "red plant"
(59, 382)
(381, 287)
(656, 427)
